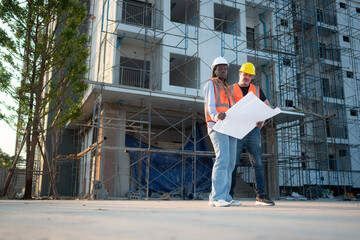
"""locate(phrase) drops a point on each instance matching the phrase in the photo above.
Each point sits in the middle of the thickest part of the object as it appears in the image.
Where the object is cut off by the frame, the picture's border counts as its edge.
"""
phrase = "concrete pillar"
(122, 160)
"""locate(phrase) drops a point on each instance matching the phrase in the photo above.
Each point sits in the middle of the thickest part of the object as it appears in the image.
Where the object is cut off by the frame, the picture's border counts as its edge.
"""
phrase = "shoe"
(219, 203)
(264, 200)
(235, 203)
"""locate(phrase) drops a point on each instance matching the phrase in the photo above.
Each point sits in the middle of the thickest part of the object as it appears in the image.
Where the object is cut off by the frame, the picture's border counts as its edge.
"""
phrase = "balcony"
(330, 90)
(336, 131)
(334, 92)
(327, 17)
(134, 77)
(137, 13)
(313, 50)
(329, 53)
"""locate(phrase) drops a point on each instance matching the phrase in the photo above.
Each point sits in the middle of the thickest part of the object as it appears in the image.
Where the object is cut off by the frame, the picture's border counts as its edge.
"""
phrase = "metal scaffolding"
(301, 65)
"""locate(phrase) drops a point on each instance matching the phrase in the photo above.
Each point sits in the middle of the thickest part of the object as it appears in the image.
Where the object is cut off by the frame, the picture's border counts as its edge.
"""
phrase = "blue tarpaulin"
(166, 169)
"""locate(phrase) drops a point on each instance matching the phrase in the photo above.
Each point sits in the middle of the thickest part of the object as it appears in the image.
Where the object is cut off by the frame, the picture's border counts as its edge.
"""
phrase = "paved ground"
(81, 219)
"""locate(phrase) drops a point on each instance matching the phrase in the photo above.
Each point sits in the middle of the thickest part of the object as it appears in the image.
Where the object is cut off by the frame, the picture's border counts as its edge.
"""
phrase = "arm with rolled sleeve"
(209, 98)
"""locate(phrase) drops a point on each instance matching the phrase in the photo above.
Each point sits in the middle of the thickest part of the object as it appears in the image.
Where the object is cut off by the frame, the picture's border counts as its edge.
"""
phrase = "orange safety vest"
(238, 94)
(222, 103)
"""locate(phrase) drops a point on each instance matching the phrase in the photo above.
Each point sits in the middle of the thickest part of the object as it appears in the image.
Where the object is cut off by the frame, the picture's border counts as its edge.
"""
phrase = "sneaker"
(219, 203)
(235, 203)
(264, 201)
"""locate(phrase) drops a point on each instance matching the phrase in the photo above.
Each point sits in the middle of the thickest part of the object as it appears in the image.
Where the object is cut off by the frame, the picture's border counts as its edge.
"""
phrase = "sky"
(7, 139)
(7, 134)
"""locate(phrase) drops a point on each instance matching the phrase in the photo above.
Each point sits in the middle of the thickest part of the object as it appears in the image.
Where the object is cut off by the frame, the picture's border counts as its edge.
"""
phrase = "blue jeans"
(252, 143)
(225, 152)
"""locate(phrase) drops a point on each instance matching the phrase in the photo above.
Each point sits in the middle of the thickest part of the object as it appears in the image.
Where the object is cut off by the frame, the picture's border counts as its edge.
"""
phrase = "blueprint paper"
(242, 117)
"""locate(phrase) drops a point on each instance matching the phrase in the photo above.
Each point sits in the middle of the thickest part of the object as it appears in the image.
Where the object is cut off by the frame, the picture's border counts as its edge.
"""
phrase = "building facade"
(148, 65)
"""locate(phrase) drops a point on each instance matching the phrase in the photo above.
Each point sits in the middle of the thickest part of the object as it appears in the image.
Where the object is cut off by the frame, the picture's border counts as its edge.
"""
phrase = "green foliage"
(6, 160)
(43, 51)
(5, 77)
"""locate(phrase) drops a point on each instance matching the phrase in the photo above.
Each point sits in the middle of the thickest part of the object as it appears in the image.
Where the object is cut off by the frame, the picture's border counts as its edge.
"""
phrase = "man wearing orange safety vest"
(252, 141)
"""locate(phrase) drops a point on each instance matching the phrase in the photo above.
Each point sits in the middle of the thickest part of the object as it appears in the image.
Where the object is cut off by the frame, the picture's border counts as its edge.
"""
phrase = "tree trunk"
(37, 92)
(29, 153)
(32, 120)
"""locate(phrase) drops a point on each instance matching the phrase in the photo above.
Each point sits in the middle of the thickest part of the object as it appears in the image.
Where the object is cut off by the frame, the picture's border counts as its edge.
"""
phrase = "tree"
(5, 160)
(45, 38)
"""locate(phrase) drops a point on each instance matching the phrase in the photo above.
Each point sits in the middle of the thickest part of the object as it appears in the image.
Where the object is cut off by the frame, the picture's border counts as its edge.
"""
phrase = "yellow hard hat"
(248, 68)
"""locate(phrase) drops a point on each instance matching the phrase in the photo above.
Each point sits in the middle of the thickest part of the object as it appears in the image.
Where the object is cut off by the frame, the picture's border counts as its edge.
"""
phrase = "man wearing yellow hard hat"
(252, 141)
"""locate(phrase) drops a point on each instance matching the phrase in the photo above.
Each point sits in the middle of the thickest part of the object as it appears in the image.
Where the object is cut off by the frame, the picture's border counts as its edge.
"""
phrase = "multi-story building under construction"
(143, 130)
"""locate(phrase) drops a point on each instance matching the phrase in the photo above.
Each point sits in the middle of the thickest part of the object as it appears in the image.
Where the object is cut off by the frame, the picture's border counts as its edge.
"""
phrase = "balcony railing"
(311, 17)
(328, 53)
(333, 92)
(337, 132)
(134, 77)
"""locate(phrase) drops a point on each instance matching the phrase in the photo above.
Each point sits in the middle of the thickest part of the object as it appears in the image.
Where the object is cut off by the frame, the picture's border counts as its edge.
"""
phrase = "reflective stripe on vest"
(238, 94)
(222, 103)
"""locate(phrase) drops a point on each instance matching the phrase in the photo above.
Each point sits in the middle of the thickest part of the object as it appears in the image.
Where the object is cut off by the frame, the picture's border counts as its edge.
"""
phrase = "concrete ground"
(82, 219)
